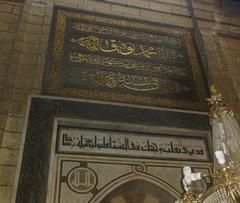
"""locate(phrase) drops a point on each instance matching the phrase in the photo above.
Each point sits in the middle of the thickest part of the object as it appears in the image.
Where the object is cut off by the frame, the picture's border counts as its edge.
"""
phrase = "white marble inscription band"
(102, 142)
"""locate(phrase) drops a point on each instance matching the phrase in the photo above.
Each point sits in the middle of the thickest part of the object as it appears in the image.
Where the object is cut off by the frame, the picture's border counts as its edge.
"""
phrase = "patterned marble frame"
(32, 176)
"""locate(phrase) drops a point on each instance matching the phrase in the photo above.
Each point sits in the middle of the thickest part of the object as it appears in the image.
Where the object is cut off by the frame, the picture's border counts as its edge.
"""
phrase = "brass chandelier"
(226, 146)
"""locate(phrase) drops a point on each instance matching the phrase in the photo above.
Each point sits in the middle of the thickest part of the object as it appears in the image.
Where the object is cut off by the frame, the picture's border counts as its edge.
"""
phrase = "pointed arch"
(132, 177)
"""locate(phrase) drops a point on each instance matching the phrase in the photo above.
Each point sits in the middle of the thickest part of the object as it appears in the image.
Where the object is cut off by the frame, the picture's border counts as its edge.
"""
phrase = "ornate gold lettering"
(77, 57)
(94, 43)
(103, 29)
(130, 81)
(117, 46)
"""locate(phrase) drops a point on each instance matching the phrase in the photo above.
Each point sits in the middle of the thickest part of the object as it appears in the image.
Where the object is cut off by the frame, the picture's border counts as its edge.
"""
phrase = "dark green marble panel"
(103, 57)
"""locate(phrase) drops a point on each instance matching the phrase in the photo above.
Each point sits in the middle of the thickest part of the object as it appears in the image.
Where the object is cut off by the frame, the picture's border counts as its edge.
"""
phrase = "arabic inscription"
(129, 144)
(94, 43)
(127, 64)
(100, 29)
(132, 82)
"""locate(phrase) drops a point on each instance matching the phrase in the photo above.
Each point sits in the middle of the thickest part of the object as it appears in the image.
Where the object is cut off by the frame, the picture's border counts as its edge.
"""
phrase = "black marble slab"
(110, 58)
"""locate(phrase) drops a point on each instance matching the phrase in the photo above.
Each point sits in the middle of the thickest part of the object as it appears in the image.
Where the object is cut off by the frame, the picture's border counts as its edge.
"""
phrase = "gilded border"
(55, 88)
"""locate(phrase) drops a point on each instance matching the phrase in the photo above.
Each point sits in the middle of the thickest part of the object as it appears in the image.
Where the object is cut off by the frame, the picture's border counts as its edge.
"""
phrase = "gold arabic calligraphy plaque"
(101, 57)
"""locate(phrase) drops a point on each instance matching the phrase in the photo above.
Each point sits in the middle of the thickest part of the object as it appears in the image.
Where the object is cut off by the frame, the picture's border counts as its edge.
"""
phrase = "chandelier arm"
(226, 144)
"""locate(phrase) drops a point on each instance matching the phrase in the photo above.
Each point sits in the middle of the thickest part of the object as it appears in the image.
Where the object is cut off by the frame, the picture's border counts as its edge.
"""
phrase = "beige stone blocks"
(45, 37)
(23, 82)
(3, 119)
(212, 11)
(17, 109)
(34, 28)
(71, 3)
(4, 26)
(46, 29)
(12, 68)
(234, 45)
(10, 79)
(128, 11)
(158, 12)
(7, 175)
(125, 11)
(178, 20)
(17, 10)
(119, 1)
(7, 94)
(7, 37)
(4, 58)
(152, 15)
(131, 7)
(204, 14)
(14, 124)
(30, 39)
(97, 6)
(6, 47)
(47, 20)
(160, 7)
(209, 25)
(32, 48)
(37, 83)
(9, 19)
(28, 59)
(49, 10)
(211, 47)
(20, 95)
(180, 10)
(205, 6)
(33, 19)
(178, 2)
(234, 29)
(221, 18)
(39, 71)
(3, 69)
(6, 8)
(4, 106)
(11, 140)
(117, 9)
(236, 20)
(37, 10)
(5, 193)
(8, 157)
(138, 3)
(224, 68)
(235, 70)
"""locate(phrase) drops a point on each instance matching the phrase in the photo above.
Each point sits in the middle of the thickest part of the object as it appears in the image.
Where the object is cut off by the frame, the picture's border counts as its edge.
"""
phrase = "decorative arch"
(130, 178)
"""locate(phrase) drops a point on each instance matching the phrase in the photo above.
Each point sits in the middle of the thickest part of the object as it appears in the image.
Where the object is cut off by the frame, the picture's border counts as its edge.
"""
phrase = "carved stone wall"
(24, 34)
